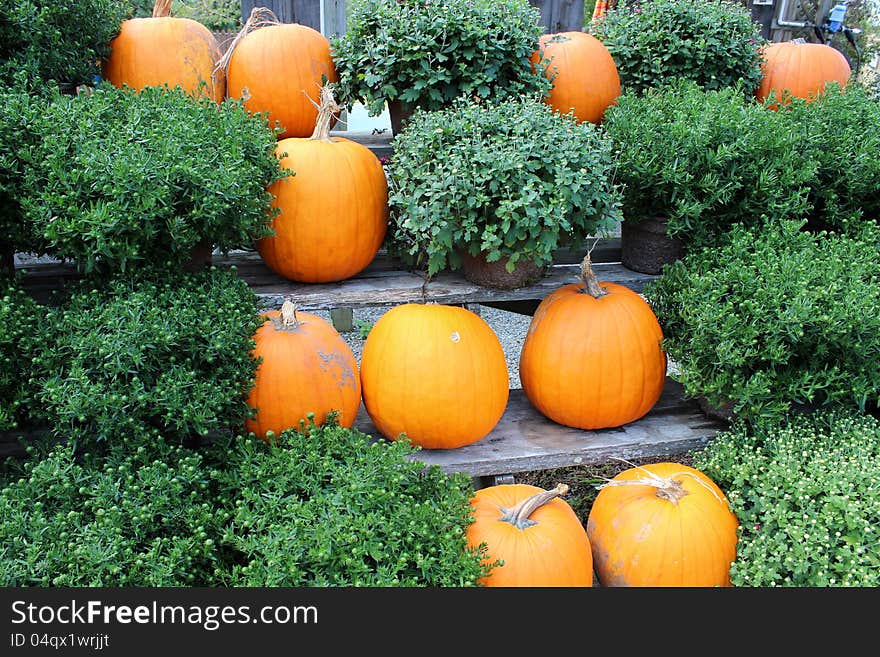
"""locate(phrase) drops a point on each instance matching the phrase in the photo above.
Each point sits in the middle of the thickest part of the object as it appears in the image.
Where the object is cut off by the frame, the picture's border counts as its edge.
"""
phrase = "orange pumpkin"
(592, 358)
(663, 524)
(333, 211)
(306, 368)
(536, 535)
(279, 69)
(436, 373)
(162, 50)
(584, 74)
(801, 70)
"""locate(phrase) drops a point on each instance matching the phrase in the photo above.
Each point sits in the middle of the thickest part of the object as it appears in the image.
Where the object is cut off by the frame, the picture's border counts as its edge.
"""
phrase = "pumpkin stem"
(668, 489)
(588, 276)
(259, 17)
(162, 8)
(518, 516)
(327, 111)
(287, 320)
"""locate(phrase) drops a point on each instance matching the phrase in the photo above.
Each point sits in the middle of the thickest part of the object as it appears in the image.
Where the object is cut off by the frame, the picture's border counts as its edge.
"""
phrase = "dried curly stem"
(518, 516)
(668, 488)
(162, 8)
(328, 112)
(588, 276)
(259, 17)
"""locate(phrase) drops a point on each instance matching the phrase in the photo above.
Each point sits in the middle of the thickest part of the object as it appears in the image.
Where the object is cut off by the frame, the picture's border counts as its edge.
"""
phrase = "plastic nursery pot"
(399, 113)
(723, 412)
(495, 274)
(645, 246)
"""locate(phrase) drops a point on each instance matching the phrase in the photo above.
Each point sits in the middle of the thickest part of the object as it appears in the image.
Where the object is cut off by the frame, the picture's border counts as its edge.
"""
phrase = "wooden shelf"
(524, 440)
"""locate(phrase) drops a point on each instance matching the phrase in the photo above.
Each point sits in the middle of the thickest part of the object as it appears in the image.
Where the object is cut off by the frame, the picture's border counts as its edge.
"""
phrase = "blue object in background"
(835, 18)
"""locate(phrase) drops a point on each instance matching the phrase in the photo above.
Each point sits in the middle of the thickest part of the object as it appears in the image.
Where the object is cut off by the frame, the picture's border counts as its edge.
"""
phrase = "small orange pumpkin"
(306, 368)
(801, 70)
(435, 373)
(333, 212)
(279, 68)
(584, 74)
(662, 524)
(592, 357)
(534, 532)
(162, 49)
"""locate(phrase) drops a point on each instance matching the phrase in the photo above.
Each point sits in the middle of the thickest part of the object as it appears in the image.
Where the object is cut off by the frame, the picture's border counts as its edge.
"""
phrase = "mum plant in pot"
(495, 187)
(156, 179)
(694, 162)
(424, 53)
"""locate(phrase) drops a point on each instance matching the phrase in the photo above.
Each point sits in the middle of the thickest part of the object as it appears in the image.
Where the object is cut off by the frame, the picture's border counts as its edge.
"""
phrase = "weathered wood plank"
(304, 12)
(384, 282)
(524, 440)
(560, 15)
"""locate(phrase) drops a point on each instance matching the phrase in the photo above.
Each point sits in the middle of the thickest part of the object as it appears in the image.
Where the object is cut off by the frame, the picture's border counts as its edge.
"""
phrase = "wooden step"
(524, 440)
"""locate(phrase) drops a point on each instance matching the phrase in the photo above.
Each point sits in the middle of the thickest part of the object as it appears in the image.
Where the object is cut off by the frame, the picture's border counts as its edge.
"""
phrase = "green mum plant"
(124, 180)
(58, 40)
(512, 179)
(804, 489)
(335, 508)
(714, 43)
(140, 358)
(424, 53)
(705, 160)
(775, 318)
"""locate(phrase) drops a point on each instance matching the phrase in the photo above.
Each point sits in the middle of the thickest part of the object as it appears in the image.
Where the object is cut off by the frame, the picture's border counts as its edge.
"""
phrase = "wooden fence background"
(328, 16)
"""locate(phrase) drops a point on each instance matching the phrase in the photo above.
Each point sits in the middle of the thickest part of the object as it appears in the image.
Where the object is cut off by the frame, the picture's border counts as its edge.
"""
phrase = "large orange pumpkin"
(162, 50)
(801, 70)
(279, 68)
(662, 524)
(536, 535)
(584, 74)
(333, 211)
(436, 373)
(306, 368)
(592, 357)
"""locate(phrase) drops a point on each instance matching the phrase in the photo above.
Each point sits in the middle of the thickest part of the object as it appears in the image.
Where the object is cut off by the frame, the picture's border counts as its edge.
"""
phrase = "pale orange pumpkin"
(592, 357)
(662, 524)
(801, 70)
(164, 50)
(279, 68)
(333, 211)
(583, 73)
(534, 533)
(435, 373)
(306, 368)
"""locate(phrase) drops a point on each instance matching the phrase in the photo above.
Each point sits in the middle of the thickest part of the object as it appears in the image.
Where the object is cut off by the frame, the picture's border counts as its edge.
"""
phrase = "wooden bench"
(523, 440)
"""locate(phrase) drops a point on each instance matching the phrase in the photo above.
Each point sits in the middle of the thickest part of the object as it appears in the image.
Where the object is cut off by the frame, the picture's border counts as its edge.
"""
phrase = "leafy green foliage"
(426, 53)
(119, 517)
(714, 43)
(124, 180)
(774, 318)
(59, 40)
(840, 133)
(332, 508)
(139, 358)
(706, 160)
(511, 178)
(21, 338)
(20, 105)
(804, 489)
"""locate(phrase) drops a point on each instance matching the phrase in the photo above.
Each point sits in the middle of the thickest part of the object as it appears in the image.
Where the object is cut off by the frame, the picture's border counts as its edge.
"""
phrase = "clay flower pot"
(495, 274)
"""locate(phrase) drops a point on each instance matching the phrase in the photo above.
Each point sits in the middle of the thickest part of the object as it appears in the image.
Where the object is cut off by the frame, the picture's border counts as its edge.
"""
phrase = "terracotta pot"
(399, 113)
(645, 247)
(495, 275)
